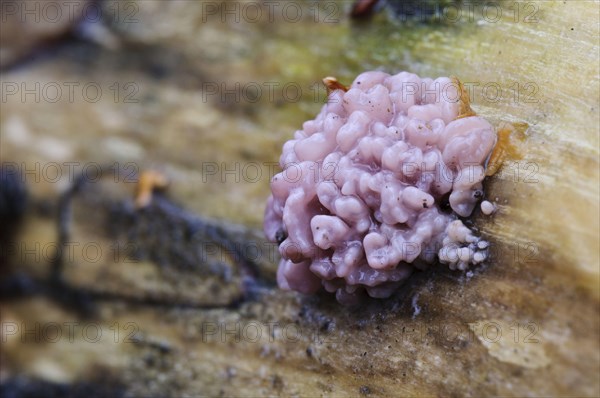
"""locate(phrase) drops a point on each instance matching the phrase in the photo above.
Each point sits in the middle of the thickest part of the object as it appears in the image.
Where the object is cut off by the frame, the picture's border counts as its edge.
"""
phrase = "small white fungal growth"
(374, 186)
(461, 247)
(487, 208)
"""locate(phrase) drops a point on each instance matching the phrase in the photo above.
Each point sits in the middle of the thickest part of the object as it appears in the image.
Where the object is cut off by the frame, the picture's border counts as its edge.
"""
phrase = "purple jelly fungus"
(360, 200)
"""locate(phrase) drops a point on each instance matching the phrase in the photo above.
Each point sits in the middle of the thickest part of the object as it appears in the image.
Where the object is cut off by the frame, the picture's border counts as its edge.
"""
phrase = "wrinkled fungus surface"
(374, 187)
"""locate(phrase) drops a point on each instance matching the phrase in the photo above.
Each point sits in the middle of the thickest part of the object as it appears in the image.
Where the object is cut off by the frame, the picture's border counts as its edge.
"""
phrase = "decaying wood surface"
(154, 315)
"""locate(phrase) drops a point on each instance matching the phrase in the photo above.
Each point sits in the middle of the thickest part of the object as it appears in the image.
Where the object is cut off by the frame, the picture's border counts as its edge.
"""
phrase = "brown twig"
(363, 8)
(332, 84)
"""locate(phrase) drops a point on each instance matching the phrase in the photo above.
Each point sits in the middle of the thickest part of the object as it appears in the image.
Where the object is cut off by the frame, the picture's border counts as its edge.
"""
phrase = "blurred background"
(101, 295)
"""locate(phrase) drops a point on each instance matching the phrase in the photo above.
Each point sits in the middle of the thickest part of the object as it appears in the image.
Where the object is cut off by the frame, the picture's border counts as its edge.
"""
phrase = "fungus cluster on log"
(374, 186)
